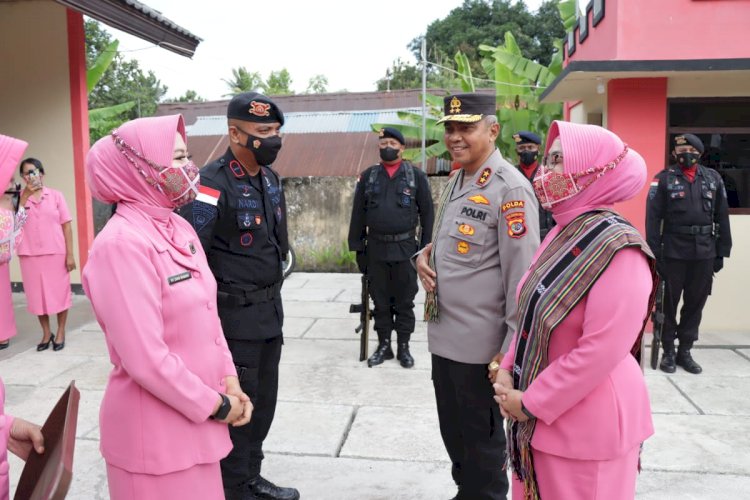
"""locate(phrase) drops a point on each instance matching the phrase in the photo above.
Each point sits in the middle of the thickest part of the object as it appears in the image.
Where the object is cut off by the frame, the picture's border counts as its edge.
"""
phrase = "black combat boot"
(261, 488)
(685, 360)
(383, 352)
(667, 360)
(403, 355)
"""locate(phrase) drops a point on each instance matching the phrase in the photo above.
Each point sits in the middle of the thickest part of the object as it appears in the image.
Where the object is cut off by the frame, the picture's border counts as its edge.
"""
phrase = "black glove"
(718, 264)
(362, 262)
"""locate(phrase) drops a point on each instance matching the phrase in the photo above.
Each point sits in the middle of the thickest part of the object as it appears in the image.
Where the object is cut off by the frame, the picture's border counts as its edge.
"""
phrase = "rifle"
(657, 317)
(363, 309)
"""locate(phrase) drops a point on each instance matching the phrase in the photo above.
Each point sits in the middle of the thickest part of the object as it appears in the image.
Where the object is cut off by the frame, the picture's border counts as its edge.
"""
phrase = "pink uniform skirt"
(200, 482)
(570, 479)
(46, 282)
(7, 318)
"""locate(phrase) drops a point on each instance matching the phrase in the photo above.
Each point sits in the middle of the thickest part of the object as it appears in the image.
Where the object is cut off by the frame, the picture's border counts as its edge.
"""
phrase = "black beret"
(392, 132)
(525, 137)
(467, 108)
(254, 107)
(689, 140)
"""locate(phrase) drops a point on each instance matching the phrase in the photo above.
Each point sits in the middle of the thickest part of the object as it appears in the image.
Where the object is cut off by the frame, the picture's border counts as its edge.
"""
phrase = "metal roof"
(310, 122)
(139, 20)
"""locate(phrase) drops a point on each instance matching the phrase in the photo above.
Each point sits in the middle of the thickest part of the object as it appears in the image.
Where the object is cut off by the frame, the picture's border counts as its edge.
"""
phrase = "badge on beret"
(259, 108)
(382, 133)
(680, 140)
(463, 247)
(517, 138)
(455, 105)
(516, 224)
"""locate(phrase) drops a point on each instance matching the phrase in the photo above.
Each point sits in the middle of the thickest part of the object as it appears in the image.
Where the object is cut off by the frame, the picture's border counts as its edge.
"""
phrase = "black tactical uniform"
(385, 214)
(546, 221)
(241, 222)
(687, 228)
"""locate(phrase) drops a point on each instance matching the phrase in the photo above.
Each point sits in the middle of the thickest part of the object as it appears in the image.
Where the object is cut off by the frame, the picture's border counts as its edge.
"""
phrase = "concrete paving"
(344, 431)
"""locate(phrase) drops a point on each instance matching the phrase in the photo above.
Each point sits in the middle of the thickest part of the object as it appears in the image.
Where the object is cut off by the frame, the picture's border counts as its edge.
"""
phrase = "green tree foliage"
(279, 83)
(123, 81)
(318, 84)
(485, 22)
(188, 96)
(243, 81)
(402, 75)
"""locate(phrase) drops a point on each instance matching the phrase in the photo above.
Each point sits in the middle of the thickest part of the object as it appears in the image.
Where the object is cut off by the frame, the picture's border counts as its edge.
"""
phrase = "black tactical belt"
(694, 230)
(233, 295)
(392, 238)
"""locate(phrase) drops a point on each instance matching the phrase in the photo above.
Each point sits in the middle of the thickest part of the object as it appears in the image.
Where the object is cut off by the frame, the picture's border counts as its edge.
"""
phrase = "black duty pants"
(260, 381)
(472, 428)
(393, 286)
(691, 279)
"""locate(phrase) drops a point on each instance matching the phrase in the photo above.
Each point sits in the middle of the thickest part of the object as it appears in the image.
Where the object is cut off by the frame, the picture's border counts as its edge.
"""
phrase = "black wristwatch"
(526, 411)
(224, 408)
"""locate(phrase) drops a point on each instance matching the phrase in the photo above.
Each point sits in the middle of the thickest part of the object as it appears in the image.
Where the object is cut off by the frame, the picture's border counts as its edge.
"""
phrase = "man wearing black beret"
(240, 217)
(527, 148)
(391, 200)
(687, 228)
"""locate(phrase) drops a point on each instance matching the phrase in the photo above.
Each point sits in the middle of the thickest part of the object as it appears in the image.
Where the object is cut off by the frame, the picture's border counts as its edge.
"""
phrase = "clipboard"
(48, 476)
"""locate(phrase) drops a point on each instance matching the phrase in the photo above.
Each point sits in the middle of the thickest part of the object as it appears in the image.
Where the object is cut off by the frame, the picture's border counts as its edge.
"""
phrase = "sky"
(351, 42)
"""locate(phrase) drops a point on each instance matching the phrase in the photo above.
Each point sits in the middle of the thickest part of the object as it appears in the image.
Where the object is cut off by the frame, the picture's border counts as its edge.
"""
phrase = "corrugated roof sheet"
(310, 122)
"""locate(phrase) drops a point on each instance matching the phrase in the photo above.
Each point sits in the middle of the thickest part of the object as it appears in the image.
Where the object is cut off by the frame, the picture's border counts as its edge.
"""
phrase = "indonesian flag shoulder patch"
(208, 195)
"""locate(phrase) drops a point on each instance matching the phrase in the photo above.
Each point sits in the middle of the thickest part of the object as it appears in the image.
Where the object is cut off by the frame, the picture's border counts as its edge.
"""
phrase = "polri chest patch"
(475, 213)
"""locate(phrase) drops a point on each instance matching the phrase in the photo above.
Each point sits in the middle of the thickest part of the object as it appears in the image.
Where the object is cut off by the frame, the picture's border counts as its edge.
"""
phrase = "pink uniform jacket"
(5, 423)
(591, 401)
(43, 234)
(157, 307)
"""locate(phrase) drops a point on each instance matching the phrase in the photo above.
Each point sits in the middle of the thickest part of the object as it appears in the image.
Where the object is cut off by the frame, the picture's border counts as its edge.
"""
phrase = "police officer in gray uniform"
(687, 228)
(486, 232)
(240, 218)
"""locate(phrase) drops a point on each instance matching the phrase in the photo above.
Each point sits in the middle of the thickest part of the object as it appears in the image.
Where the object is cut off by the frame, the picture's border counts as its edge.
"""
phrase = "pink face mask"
(553, 187)
(179, 184)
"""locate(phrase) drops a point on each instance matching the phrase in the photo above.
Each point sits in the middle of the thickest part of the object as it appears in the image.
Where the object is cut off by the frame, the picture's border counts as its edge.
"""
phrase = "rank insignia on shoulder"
(208, 195)
(516, 224)
(463, 247)
(479, 199)
(179, 277)
(236, 169)
(466, 229)
(484, 177)
(513, 204)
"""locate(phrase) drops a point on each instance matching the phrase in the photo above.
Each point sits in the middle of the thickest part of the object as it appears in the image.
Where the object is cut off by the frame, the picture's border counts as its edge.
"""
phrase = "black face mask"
(687, 160)
(528, 157)
(389, 154)
(265, 149)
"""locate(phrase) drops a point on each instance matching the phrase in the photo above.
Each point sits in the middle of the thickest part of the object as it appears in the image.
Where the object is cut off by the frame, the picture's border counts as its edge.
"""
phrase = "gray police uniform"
(483, 246)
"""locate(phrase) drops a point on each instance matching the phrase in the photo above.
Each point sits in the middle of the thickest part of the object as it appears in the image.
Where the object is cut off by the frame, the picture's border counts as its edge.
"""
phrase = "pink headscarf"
(585, 146)
(11, 151)
(114, 179)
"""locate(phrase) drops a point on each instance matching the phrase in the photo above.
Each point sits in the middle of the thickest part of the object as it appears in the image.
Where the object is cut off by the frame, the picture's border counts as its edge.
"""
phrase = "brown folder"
(48, 476)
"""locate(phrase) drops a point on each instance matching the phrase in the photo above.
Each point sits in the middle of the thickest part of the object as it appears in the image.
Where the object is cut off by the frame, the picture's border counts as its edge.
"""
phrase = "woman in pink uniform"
(173, 387)
(11, 222)
(16, 435)
(571, 384)
(46, 253)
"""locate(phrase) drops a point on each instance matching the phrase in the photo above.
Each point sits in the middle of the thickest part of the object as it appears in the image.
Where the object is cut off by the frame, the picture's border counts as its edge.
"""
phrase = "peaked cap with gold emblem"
(468, 108)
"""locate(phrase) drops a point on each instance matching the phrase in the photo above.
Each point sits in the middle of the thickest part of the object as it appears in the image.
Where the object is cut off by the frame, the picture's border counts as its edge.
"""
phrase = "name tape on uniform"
(179, 277)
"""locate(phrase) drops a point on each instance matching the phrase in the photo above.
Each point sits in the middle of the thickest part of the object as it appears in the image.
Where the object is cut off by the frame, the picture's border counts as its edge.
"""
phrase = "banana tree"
(103, 120)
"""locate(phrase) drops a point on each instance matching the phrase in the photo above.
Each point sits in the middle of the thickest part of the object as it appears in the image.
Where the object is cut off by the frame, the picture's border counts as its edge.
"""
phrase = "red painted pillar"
(80, 125)
(637, 112)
